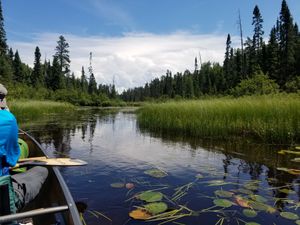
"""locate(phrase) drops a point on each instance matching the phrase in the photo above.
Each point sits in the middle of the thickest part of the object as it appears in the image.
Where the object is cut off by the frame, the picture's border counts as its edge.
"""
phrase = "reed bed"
(27, 110)
(272, 119)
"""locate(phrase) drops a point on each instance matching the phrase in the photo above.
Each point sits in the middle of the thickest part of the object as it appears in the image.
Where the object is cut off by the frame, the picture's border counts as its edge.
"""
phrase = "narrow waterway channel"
(208, 181)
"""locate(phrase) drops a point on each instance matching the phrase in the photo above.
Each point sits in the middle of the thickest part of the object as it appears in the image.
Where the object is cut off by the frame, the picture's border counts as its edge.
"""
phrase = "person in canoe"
(16, 190)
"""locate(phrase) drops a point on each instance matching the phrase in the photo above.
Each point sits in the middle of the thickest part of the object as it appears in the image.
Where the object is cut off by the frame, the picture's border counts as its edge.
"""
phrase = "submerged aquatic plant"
(158, 173)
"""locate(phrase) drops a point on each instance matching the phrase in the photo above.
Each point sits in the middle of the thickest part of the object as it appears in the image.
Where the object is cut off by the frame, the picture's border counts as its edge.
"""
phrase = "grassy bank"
(32, 109)
(272, 119)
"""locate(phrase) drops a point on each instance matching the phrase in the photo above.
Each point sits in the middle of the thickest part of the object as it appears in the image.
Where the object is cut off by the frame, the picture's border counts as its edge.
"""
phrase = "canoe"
(54, 203)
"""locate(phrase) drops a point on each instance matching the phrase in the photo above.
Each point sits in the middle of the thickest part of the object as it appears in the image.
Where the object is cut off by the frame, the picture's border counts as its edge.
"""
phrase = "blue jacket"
(9, 147)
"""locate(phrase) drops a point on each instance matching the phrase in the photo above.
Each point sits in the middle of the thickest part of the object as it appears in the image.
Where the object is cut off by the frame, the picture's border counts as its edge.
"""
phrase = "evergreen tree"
(18, 70)
(3, 45)
(83, 81)
(56, 79)
(37, 78)
(11, 54)
(257, 40)
(258, 29)
(62, 54)
(226, 64)
(286, 44)
(6, 70)
(251, 63)
(273, 56)
(92, 84)
(48, 74)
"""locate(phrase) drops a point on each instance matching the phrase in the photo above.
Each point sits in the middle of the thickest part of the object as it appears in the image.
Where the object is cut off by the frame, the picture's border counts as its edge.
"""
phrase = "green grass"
(32, 109)
(272, 119)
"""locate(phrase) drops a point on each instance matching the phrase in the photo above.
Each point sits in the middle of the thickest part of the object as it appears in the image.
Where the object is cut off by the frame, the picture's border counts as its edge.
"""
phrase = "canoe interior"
(53, 193)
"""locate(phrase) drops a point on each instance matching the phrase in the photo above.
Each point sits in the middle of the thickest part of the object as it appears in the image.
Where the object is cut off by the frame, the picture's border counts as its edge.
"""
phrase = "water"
(117, 151)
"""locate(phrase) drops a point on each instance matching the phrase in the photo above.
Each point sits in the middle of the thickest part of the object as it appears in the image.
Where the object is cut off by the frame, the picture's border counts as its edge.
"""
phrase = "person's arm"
(13, 148)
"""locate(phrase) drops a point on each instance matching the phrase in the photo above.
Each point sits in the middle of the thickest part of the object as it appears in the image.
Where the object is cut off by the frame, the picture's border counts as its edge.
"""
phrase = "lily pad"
(217, 183)
(245, 191)
(287, 191)
(252, 187)
(139, 214)
(150, 196)
(271, 210)
(242, 202)
(258, 198)
(249, 213)
(224, 194)
(259, 206)
(156, 208)
(223, 203)
(289, 215)
(297, 148)
(297, 222)
(117, 185)
(156, 173)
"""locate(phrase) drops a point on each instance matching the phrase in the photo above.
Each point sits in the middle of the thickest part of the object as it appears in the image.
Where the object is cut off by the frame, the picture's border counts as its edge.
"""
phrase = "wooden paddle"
(44, 161)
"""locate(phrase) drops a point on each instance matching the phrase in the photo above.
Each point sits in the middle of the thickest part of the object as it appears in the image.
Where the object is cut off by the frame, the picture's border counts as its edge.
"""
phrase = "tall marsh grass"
(272, 119)
(32, 109)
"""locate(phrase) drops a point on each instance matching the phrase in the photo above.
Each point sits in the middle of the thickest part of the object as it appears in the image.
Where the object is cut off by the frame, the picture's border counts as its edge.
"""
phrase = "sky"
(134, 41)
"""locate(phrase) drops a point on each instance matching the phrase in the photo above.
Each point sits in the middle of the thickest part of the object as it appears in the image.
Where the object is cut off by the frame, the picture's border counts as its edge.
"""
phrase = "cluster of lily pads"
(239, 205)
(292, 151)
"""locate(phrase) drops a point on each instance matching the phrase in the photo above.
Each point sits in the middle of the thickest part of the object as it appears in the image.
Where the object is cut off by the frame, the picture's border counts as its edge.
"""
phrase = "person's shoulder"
(5, 114)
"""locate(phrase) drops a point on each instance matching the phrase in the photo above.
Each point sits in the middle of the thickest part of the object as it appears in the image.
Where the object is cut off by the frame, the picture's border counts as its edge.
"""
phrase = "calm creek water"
(119, 152)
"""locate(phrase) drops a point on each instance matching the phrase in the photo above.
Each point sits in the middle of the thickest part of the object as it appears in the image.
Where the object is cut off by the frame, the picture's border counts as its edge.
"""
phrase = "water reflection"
(117, 150)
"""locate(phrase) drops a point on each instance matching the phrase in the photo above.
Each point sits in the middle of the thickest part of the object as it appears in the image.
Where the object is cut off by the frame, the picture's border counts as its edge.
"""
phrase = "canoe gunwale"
(66, 192)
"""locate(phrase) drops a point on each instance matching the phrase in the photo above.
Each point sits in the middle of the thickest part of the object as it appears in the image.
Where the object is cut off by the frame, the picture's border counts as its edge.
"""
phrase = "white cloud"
(134, 58)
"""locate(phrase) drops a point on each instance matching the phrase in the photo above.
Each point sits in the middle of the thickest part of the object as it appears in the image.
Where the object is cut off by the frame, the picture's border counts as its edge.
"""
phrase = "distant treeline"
(257, 67)
(50, 80)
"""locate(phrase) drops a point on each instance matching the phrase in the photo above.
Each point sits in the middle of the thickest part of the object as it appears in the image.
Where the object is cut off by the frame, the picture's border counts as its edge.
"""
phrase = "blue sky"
(133, 40)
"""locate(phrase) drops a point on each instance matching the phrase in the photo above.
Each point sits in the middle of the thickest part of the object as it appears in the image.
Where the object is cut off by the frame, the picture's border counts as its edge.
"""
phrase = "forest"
(51, 80)
(258, 66)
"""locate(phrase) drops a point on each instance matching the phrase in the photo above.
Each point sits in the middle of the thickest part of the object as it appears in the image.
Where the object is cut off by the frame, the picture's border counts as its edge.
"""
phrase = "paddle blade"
(53, 162)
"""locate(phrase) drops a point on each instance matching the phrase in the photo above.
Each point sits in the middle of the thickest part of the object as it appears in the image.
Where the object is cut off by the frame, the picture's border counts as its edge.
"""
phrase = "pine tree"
(62, 54)
(92, 84)
(83, 81)
(257, 40)
(226, 64)
(11, 54)
(258, 29)
(55, 81)
(273, 56)
(37, 78)
(286, 44)
(48, 74)
(251, 63)
(3, 45)
(6, 70)
(18, 70)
